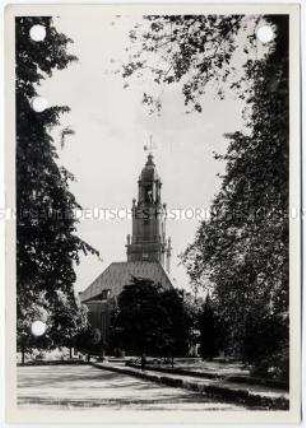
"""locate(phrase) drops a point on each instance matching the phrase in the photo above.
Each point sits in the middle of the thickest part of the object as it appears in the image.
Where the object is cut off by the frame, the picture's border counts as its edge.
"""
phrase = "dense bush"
(151, 320)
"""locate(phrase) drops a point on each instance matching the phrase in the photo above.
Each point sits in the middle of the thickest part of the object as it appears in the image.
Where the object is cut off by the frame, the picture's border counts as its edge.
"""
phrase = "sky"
(106, 153)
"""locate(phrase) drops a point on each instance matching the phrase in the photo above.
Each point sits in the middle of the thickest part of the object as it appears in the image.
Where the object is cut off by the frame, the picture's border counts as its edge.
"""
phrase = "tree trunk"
(70, 353)
(22, 356)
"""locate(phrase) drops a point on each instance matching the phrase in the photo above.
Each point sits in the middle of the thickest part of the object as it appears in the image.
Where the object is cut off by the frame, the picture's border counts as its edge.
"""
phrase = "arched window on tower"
(148, 194)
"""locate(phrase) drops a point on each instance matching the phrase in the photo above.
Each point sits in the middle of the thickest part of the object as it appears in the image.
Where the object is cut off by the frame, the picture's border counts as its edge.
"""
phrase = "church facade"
(148, 253)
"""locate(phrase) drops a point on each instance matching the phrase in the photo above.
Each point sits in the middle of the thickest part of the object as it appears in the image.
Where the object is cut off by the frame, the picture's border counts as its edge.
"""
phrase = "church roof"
(149, 172)
(119, 274)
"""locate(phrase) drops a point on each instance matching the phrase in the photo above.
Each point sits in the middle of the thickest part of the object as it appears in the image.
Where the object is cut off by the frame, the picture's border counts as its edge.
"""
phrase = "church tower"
(148, 241)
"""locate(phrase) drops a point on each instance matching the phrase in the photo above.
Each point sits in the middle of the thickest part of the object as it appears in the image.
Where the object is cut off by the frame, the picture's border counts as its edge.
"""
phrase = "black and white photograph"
(155, 236)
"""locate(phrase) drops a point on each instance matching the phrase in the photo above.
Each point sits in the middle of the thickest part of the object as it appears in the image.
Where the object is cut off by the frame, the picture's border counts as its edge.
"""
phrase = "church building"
(148, 253)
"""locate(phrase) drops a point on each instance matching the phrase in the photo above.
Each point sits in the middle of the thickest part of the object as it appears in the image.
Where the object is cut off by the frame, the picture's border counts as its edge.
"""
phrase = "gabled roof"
(119, 274)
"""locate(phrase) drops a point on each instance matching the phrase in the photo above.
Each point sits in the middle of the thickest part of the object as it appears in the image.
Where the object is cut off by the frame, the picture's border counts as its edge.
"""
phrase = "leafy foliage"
(87, 341)
(68, 320)
(243, 247)
(47, 243)
(28, 311)
(210, 331)
(180, 322)
(266, 345)
(193, 52)
(152, 320)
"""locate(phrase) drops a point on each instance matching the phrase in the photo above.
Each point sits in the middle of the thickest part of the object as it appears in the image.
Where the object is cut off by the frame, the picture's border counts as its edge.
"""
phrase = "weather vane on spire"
(150, 146)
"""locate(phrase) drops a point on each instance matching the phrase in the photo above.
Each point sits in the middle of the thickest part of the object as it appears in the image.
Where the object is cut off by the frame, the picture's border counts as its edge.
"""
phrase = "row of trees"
(148, 319)
(242, 250)
(47, 243)
(243, 247)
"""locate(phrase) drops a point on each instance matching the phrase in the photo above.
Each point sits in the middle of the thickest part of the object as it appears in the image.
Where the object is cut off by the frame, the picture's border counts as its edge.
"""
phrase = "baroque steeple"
(148, 241)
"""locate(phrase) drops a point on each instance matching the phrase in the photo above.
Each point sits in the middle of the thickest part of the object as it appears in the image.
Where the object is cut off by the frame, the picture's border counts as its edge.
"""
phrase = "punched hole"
(38, 33)
(39, 104)
(38, 328)
(265, 34)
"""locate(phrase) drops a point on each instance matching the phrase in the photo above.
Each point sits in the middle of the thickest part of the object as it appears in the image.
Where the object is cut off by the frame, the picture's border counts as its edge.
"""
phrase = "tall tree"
(47, 243)
(243, 247)
(152, 320)
(142, 318)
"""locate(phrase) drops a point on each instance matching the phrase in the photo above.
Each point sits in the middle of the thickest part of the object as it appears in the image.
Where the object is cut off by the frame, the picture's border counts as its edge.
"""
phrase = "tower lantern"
(148, 241)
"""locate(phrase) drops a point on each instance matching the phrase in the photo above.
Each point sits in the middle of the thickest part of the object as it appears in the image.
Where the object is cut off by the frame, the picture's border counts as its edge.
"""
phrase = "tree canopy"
(196, 53)
(47, 241)
(152, 320)
(243, 247)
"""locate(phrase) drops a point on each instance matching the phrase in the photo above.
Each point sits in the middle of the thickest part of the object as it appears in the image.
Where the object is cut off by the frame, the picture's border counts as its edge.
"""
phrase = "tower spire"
(148, 241)
(150, 146)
